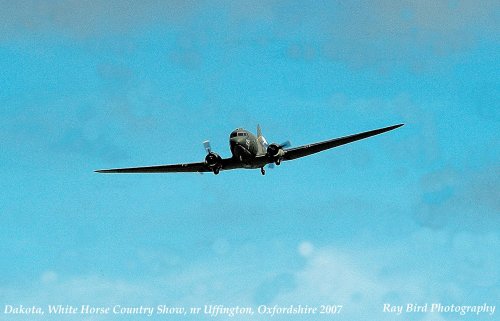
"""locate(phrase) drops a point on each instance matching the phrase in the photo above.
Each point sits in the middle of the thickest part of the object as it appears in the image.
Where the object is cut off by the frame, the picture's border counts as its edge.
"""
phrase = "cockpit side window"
(233, 135)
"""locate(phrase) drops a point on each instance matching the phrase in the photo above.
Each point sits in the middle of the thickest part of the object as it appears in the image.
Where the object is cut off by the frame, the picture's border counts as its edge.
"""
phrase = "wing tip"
(392, 127)
(105, 171)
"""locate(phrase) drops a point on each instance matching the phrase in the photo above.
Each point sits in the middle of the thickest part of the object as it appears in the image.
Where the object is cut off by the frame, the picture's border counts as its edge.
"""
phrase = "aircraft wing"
(201, 167)
(306, 150)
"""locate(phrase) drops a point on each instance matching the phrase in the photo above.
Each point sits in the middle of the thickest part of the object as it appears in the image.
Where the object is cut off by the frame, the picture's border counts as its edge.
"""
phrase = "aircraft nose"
(236, 144)
(238, 141)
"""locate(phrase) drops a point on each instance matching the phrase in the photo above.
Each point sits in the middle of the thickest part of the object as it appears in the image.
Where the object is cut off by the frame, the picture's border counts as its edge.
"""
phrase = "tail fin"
(261, 139)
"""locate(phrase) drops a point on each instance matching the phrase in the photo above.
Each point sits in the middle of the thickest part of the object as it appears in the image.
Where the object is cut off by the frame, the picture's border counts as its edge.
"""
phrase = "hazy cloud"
(271, 288)
(421, 139)
(76, 140)
(361, 279)
(430, 265)
(383, 33)
(375, 34)
(358, 32)
(463, 201)
(88, 18)
(60, 126)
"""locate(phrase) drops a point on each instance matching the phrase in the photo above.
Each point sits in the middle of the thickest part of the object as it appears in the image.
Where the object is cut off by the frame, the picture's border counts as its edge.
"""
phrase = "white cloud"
(425, 266)
(48, 277)
(306, 249)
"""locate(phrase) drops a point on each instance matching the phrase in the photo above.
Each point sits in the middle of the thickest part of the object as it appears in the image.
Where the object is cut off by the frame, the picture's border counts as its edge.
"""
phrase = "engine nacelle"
(213, 161)
(275, 152)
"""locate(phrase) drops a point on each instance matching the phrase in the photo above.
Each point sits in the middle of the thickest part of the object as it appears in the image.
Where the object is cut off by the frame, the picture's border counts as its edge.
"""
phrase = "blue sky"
(411, 216)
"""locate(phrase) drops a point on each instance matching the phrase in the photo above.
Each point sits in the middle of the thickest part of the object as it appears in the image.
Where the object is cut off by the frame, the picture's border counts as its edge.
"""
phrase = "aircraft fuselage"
(245, 147)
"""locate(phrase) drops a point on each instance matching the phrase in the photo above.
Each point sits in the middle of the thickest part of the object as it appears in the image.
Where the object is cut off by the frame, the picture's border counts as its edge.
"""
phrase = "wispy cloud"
(361, 279)
(386, 33)
(83, 19)
(60, 126)
(361, 33)
(463, 201)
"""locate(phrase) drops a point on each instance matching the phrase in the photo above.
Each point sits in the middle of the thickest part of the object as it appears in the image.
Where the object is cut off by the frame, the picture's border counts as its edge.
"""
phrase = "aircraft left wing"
(176, 168)
(306, 150)
(200, 167)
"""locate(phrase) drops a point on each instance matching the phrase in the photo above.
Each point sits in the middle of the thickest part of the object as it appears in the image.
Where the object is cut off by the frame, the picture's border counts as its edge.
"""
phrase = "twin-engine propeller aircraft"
(250, 151)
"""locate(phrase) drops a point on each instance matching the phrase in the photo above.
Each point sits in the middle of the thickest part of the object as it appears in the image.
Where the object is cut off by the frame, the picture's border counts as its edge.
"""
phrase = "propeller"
(207, 146)
(208, 149)
(274, 149)
(285, 144)
(282, 145)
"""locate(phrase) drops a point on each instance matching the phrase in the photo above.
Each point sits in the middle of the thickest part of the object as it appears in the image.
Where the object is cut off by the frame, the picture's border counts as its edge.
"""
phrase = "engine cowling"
(213, 161)
(275, 152)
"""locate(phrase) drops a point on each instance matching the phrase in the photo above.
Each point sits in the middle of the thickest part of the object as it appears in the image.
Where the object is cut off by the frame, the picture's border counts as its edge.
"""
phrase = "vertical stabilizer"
(261, 139)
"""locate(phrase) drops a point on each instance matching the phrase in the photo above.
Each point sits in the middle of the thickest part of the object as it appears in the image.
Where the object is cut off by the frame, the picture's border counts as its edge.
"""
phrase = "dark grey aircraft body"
(250, 151)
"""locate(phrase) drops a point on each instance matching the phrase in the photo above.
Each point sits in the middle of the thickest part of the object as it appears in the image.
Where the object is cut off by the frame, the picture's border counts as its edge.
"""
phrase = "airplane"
(251, 152)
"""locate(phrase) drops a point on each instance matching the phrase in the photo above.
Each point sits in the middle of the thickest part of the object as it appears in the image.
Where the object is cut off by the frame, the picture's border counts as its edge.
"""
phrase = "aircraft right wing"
(307, 150)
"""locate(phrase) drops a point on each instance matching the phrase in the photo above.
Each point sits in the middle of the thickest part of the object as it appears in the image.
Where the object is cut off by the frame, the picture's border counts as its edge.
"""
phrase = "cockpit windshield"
(233, 134)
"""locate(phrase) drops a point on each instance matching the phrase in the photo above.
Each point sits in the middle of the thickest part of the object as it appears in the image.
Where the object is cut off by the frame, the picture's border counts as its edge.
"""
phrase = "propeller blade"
(286, 144)
(207, 146)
